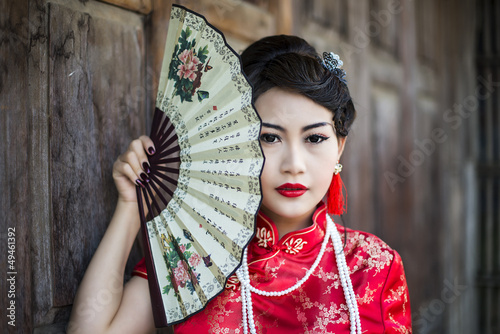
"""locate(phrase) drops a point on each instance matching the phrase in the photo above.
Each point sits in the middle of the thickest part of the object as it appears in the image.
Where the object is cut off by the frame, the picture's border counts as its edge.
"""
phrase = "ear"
(341, 145)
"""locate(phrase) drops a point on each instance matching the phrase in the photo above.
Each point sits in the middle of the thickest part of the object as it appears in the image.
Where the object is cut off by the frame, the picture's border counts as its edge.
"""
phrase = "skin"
(300, 146)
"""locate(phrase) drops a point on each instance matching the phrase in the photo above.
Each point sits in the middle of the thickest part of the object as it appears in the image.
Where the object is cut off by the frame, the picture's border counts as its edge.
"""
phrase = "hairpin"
(332, 62)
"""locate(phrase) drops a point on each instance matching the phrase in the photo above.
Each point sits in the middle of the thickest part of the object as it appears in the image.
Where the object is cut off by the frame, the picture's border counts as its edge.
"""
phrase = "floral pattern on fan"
(187, 67)
(183, 275)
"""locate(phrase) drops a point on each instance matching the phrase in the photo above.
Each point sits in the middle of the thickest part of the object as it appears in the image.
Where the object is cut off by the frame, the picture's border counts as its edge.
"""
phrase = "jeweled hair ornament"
(332, 62)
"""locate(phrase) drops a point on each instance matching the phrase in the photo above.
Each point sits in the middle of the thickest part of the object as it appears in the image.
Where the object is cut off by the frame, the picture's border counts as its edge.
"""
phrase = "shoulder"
(360, 241)
(368, 253)
(379, 281)
(377, 273)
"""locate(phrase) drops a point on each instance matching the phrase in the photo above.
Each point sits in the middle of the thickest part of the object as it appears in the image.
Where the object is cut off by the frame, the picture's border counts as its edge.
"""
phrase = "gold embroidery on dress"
(293, 246)
(232, 282)
(399, 294)
(263, 237)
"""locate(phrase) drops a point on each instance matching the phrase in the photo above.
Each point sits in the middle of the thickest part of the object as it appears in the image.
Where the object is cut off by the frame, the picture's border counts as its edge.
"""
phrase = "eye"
(269, 138)
(316, 139)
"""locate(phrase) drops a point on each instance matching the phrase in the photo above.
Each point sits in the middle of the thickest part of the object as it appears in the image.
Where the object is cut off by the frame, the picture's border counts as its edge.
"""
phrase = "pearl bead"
(345, 280)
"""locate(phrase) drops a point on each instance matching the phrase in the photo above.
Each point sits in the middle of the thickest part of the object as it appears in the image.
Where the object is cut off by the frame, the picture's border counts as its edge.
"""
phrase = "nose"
(293, 160)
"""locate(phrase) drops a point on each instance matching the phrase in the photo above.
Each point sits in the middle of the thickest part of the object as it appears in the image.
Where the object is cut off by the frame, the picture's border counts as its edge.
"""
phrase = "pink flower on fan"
(183, 248)
(188, 68)
(180, 274)
(187, 71)
(187, 56)
(194, 260)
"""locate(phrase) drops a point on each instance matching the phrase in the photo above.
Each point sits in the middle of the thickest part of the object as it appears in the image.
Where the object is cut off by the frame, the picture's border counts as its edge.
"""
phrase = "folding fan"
(204, 189)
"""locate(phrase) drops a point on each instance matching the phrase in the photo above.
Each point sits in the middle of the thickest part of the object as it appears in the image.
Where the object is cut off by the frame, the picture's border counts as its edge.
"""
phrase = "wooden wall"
(78, 81)
(73, 78)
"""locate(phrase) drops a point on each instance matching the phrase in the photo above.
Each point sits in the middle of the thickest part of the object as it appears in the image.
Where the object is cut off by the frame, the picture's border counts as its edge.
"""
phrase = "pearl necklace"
(247, 289)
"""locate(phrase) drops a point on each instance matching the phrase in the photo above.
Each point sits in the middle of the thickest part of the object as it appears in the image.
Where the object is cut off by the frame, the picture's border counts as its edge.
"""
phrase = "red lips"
(291, 189)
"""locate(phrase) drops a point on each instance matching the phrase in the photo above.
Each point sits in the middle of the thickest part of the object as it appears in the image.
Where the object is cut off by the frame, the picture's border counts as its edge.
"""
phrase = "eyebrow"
(274, 126)
(304, 129)
(315, 125)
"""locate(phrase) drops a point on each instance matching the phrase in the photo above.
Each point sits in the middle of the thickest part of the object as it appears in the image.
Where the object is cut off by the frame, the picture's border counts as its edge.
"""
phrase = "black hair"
(290, 63)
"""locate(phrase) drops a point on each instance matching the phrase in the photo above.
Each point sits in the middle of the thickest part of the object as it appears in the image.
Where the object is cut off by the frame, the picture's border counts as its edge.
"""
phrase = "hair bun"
(289, 62)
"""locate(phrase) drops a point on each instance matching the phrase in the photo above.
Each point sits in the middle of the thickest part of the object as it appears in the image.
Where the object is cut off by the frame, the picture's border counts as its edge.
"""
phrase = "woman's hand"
(132, 168)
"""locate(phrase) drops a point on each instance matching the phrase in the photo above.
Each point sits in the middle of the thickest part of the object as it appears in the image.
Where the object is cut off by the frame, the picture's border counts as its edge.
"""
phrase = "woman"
(293, 280)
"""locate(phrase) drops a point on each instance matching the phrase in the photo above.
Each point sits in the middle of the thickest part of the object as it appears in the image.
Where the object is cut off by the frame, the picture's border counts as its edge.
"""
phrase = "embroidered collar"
(266, 242)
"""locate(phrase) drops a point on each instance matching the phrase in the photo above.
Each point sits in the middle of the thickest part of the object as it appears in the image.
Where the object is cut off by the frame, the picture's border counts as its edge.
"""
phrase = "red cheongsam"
(319, 305)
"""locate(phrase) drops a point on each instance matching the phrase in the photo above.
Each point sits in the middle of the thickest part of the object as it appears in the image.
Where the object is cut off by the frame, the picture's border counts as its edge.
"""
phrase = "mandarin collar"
(266, 241)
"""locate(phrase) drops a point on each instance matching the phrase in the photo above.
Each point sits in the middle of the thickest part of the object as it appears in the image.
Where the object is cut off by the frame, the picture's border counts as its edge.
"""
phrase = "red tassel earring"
(335, 198)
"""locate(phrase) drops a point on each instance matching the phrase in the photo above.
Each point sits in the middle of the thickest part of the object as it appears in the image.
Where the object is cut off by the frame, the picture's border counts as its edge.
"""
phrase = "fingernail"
(151, 150)
(146, 168)
(144, 177)
(139, 183)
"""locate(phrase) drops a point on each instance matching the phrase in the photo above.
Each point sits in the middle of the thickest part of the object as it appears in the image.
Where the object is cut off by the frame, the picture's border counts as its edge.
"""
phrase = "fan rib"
(167, 169)
(150, 214)
(173, 182)
(153, 200)
(140, 201)
(155, 133)
(168, 160)
(175, 148)
(163, 123)
(168, 140)
(158, 193)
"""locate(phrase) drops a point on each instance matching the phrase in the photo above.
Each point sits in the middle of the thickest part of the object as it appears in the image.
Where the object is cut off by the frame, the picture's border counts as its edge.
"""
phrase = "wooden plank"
(96, 75)
(386, 122)
(282, 10)
(14, 176)
(238, 18)
(156, 33)
(41, 250)
(140, 6)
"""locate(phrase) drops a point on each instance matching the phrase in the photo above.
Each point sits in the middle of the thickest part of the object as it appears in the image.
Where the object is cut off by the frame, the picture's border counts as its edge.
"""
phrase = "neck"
(289, 224)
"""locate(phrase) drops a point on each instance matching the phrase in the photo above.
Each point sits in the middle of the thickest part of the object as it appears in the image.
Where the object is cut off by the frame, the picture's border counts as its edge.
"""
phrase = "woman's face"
(301, 150)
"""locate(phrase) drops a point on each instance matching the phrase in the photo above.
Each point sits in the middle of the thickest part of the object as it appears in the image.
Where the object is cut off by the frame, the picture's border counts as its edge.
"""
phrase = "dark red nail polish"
(144, 177)
(151, 150)
(146, 168)
(139, 183)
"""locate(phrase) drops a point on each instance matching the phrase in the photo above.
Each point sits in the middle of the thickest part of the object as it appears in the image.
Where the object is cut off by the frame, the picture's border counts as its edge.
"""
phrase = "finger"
(122, 168)
(138, 147)
(131, 157)
(148, 144)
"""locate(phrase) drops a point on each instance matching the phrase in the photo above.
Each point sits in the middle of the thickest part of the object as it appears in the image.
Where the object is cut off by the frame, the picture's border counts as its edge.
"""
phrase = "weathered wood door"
(74, 90)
